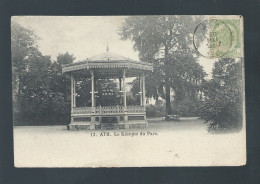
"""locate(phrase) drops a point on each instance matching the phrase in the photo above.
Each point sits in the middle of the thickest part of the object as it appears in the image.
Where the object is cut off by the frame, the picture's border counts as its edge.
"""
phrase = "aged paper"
(128, 91)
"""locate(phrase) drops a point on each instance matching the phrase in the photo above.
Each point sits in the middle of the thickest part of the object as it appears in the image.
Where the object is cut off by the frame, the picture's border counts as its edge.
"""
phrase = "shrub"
(187, 108)
(157, 110)
(223, 108)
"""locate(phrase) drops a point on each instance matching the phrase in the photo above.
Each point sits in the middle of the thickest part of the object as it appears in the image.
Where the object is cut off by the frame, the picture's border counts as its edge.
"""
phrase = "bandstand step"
(109, 119)
(109, 126)
(109, 123)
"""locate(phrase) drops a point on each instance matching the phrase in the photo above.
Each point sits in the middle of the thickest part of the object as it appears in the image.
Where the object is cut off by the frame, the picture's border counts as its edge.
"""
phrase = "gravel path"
(163, 143)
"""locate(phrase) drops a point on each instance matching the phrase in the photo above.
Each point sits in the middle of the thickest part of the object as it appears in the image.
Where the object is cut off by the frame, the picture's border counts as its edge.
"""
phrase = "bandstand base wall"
(108, 117)
(92, 126)
(107, 126)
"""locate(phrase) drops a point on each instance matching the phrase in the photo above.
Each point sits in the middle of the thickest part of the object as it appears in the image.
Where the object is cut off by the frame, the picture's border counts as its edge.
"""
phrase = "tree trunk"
(168, 96)
(167, 82)
(18, 95)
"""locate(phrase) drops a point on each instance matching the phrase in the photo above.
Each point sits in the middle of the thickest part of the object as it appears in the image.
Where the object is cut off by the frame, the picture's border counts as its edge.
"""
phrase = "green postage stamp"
(225, 37)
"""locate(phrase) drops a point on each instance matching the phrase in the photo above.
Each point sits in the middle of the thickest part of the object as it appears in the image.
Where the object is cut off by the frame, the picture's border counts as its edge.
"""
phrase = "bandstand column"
(144, 98)
(92, 124)
(120, 89)
(124, 92)
(72, 98)
(92, 89)
(125, 107)
(72, 92)
(140, 91)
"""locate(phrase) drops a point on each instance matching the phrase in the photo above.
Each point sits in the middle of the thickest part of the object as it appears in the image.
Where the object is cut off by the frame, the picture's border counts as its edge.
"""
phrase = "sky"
(84, 36)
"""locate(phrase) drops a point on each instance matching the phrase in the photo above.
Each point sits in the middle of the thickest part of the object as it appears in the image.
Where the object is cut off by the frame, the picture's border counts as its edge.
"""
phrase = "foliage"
(23, 45)
(223, 104)
(166, 42)
(187, 107)
(107, 92)
(135, 90)
(83, 89)
(45, 93)
(41, 95)
(157, 110)
(60, 85)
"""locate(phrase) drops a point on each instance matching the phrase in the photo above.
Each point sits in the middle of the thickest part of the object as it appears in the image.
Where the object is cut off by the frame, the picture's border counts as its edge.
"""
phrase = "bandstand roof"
(108, 63)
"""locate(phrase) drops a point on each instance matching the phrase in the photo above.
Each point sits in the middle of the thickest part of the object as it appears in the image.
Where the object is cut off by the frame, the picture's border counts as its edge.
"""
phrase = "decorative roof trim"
(107, 64)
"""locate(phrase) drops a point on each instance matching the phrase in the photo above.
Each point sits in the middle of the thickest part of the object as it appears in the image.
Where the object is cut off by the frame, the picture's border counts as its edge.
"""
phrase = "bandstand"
(116, 116)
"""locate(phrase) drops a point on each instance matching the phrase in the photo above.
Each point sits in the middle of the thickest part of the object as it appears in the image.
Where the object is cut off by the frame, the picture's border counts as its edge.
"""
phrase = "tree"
(166, 42)
(41, 93)
(223, 106)
(23, 46)
(60, 85)
(45, 92)
(35, 93)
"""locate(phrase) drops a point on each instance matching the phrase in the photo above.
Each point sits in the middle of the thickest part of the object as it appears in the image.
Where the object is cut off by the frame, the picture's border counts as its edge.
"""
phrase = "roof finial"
(107, 48)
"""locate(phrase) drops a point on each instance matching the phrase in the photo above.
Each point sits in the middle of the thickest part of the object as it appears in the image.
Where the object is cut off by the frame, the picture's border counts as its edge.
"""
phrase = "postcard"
(128, 91)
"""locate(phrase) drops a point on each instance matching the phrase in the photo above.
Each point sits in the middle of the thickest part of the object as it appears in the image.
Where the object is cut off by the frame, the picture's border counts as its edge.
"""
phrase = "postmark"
(222, 38)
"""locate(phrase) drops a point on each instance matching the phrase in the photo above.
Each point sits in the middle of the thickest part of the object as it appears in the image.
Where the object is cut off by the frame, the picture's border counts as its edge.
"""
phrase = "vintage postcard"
(128, 91)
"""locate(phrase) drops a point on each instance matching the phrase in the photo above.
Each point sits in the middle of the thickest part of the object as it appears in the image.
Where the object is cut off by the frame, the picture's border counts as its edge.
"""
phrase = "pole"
(72, 92)
(92, 89)
(120, 90)
(140, 90)
(144, 98)
(124, 91)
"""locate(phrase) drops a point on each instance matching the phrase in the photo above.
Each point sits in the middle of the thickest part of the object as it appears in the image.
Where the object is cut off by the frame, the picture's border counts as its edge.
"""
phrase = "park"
(166, 78)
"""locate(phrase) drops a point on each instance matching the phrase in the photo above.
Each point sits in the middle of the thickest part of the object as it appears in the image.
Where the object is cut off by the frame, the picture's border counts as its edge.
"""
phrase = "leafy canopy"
(166, 41)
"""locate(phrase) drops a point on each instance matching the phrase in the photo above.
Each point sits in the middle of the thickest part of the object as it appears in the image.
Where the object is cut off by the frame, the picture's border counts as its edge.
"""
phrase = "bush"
(223, 107)
(187, 108)
(28, 119)
(222, 113)
(157, 110)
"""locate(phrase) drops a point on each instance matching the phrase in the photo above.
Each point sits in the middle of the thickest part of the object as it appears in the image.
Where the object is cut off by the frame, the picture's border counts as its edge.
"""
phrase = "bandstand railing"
(135, 109)
(81, 110)
(108, 109)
